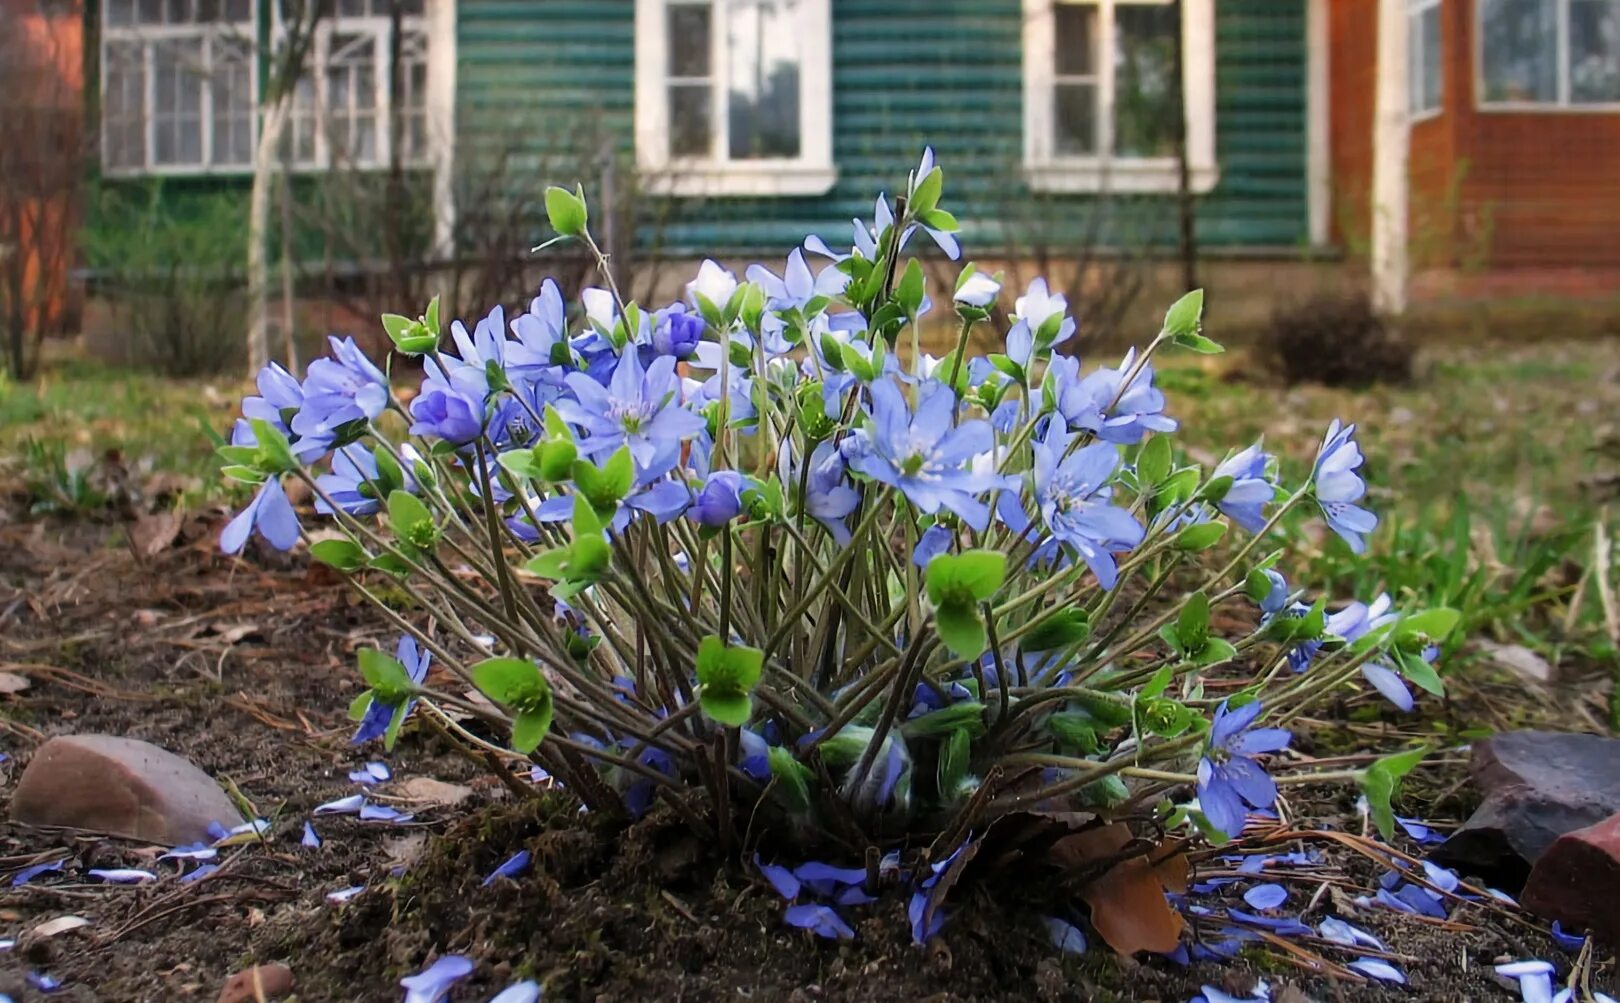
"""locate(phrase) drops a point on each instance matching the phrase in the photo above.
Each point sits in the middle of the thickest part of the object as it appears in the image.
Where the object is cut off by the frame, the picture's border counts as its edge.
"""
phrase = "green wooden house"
(755, 122)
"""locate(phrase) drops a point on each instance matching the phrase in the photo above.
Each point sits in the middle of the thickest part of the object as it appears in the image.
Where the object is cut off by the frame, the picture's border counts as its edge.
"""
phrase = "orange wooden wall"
(1489, 188)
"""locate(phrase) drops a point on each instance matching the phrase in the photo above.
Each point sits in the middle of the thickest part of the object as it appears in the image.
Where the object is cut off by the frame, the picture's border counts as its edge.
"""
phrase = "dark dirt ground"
(245, 666)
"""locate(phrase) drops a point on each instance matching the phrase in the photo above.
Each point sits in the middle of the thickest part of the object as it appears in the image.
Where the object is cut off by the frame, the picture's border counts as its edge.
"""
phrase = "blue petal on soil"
(199, 873)
(527, 991)
(1266, 896)
(514, 865)
(28, 874)
(1065, 936)
(121, 875)
(311, 837)
(780, 877)
(1378, 969)
(1568, 941)
(433, 983)
(820, 920)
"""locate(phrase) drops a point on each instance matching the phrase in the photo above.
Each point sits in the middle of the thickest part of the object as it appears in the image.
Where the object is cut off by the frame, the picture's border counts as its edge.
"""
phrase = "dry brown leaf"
(152, 534)
(11, 682)
(1129, 910)
(61, 924)
(403, 851)
(432, 793)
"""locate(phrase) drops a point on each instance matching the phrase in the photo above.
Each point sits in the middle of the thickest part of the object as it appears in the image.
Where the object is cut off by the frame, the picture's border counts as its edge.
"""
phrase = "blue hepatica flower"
(944, 238)
(1229, 777)
(1246, 500)
(828, 496)
(1038, 315)
(1356, 620)
(821, 920)
(720, 501)
(375, 722)
(924, 456)
(278, 402)
(352, 483)
(343, 388)
(1338, 486)
(676, 331)
(639, 407)
(714, 283)
(797, 285)
(433, 984)
(1074, 499)
(441, 411)
(270, 513)
(1103, 404)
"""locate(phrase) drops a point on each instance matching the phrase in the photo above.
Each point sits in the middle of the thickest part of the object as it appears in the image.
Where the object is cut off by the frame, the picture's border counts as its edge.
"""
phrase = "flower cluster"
(758, 543)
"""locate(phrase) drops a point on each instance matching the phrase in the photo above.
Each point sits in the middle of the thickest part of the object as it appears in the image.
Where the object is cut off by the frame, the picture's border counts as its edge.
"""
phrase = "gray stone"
(1538, 785)
(119, 787)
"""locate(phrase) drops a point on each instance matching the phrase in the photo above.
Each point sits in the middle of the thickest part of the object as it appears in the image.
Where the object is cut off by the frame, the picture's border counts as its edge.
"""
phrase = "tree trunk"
(258, 266)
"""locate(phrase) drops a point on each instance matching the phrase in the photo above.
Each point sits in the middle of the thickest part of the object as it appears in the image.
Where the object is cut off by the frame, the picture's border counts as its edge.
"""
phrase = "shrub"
(736, 557)
(173, 277)
(1338, 340)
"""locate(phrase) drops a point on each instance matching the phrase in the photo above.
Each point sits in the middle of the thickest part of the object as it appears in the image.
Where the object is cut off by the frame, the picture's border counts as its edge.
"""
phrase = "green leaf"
(1217, 489)
(1419, 671)
(1256, 585)
(793, 778)
(969, 577)
(1074, 730)
(395, 722)
(1166, 718)
(1184, 315)
(1432, 625)
(396, 325)
(726, 707)
(410, 520)
(344, 555)
(1382, 780)
(391, 564)
(959, 627)
(1174, 490)
(1065, 627)
(566, 210)
(550, 564)
(1192, 625)
(954, 755)
(727, 676)
(909, 294)
(1200, 536)
(1198, 343)
(520, 462)
(938, 219)
(510, 681)
(529, 728)
(390, 477)
(1153, 462)
(359, 705)
(275, 452)
(432, 316)
(1215, 651)
(385, 675)
(1111, 712)
(965, 715)
(1158, 683)
(925, 197)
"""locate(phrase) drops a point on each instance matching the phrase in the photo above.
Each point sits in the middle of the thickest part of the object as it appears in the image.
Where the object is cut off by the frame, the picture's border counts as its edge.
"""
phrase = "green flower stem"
(602, 269)
(503, 573)
(852, 611)
(904, 682)
(791, 618)
(956, 361)
(1323, 777)
(1096, 772)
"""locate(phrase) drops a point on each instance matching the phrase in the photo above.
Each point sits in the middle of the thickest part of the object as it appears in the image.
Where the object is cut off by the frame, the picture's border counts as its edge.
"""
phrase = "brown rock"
(1577, 881)
(248, 985)
(119, 787)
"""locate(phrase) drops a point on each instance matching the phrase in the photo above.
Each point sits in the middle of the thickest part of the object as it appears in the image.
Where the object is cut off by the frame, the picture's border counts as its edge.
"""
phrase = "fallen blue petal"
(371, 773)
(780, 877)
(28, 874)
(199, 873)
(1262, 993)
(1065, 936)
(1266, 896)
(1519, 969)
(44, 983)
(854, 895)
(344, 894)
(917, 912)
(237, 833)
(527, 991)
(311, 837)
(7, 943)
(342, 806)
(1380, 970)
(1568, 941)
(826, 879)
(193, 851)
(1442, 878)
(383, 813)
(516, 864)
(1284, 926)
(121, 875)
(821, 920)
(433, 983)
(1340, 932)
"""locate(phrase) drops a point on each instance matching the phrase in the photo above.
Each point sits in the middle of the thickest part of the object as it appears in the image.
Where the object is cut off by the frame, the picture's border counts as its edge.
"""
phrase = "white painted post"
(1318, 105)
(441, 121)
(1391, 151)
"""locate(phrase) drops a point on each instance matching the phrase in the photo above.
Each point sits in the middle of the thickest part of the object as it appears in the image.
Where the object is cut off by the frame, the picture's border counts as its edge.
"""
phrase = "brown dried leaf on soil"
(1128, 905)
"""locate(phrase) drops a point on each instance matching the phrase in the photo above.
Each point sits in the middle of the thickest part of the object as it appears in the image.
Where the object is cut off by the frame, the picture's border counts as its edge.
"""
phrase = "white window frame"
(379, 28)
(810, 173)
(1415, 12)
(1559, 105)
(147, 36)
(1046, 170)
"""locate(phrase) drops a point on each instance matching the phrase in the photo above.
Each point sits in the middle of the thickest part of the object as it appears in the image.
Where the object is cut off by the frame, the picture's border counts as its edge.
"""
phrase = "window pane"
(238, 10)
(150, 11)
(1076, 107)
(689, 40)
(351, 97)
(1145, 105)
(120, 12)
(233, 103)
(177, 73)
(180, 12)
(1520, 49)
(1424, 57)
(1594, 51)
(1076, 39)
(689, 120)
(123, 114)
(352, 8)
(763, 49)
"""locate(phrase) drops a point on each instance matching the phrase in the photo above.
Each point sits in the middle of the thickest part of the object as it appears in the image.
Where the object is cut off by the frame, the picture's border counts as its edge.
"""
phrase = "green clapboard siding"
(540, 82)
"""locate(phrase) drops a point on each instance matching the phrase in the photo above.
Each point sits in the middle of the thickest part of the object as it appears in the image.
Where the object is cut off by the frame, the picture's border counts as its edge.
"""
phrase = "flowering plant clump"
(757, 557)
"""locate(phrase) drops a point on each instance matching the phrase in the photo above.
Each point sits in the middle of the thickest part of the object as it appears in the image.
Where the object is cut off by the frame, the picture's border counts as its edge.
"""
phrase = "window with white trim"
(340, 112)
(1426, 91)
(1100, 93)
(178, 87)
(734, 96)
(1560, 53)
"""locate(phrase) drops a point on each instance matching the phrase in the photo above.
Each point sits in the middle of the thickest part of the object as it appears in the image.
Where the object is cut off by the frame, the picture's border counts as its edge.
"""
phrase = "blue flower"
(676, 332)
(1074, 499)
(797, 286)
(1245, 501)
(639, 407)
(442, 412)
(821, 920)
(1104, 405)
(924, 456)
(714, 283)
(720, 501)
(541, 350)
(944, 238)
(375, 721)
(1039, 315)
(828, 496)
(278, 402)
(1338, 486)
(1228, 776)
(1356, 620)
(270, 513)
(353, 482)
(433, 984)
(979, 290)
(936, 539)
(339, 390)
